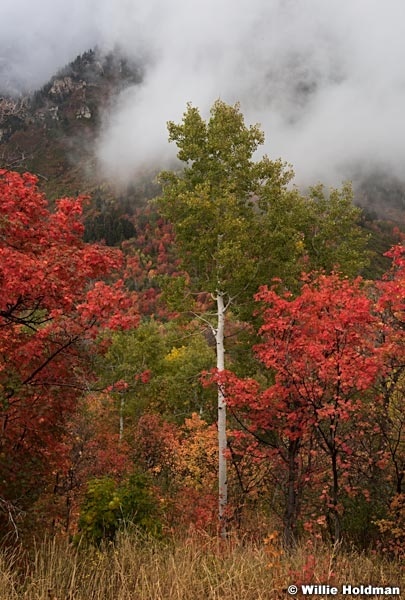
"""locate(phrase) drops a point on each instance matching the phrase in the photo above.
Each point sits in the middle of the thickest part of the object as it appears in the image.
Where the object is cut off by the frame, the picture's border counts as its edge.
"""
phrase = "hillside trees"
(160, 365)
(58, 293)
(391, 386)
(330, 228)
(238, 225)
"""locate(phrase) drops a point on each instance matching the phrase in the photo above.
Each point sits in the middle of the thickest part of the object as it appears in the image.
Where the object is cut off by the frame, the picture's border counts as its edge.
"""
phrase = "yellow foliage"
(273, 550)
(176, 354)
(198, 454)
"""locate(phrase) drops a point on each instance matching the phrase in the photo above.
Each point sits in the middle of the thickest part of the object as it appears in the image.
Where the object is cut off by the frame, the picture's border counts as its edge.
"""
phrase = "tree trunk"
(222, 441)
(291, 509)
(336, 526)
(122, 405)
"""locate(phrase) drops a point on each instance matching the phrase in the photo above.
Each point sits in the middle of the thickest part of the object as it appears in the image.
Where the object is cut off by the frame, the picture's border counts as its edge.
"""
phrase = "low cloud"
(324, 79)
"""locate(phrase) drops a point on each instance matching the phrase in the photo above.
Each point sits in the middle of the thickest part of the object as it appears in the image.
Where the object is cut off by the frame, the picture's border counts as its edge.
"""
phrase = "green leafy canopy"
(237, 221)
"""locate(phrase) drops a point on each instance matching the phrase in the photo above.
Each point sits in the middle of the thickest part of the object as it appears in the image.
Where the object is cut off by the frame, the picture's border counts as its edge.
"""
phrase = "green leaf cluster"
(109, 507)
(334, 238)
(174, 354)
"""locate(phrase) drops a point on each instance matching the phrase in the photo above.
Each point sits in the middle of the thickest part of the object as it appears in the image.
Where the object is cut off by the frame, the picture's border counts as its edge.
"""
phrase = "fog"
(325, 79)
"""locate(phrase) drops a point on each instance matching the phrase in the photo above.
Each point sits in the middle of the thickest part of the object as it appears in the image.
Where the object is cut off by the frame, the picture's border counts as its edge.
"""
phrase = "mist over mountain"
(324, 79)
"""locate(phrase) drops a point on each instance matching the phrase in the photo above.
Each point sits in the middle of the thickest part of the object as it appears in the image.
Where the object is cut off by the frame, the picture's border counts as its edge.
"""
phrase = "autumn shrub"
(392, 528)
(109, 507)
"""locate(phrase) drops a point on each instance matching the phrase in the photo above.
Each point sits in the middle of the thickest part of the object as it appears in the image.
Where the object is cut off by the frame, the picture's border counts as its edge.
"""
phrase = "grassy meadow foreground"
(195, 567)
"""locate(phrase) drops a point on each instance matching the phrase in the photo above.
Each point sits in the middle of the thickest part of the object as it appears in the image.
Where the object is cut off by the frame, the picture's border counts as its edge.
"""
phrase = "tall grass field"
(192, 568)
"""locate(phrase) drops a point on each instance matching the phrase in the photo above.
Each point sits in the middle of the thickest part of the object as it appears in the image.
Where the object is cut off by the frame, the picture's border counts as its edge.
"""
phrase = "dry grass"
(189, 569)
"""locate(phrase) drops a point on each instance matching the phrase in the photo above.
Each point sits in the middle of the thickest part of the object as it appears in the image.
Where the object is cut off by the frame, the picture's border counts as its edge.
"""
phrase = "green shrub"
(109, 507)
(358, 521)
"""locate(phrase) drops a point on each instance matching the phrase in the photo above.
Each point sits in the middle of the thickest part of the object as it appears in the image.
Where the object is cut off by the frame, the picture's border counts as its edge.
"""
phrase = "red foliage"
(321, 350)
(322, 343)
(156, 444)
(321, 347)
(182, 461)
(195, 510)
(58, 293)
(391, 307)
(144, 377)
(151, 256)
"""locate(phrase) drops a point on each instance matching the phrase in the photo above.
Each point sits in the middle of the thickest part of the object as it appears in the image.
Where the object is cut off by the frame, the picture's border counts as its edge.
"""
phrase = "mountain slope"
(53, 131)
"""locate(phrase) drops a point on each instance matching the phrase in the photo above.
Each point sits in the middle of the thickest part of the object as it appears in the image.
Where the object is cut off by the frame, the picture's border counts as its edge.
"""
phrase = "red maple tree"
(390, 308)
(320, 348)
(58, 293)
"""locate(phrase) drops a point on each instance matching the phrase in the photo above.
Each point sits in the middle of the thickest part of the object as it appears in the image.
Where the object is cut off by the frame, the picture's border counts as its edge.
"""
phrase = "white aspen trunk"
(222, 441)
(122, 404)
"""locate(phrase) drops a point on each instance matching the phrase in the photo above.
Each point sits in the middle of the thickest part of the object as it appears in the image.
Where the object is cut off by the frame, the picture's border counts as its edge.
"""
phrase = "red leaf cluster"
(58, 293)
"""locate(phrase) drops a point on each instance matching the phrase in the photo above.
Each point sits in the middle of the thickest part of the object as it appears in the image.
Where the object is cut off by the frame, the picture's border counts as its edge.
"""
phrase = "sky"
(324, 78)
